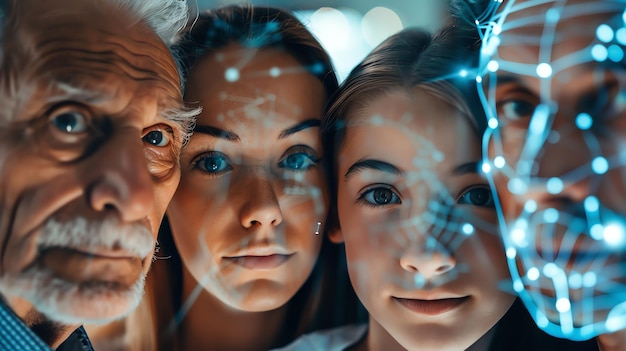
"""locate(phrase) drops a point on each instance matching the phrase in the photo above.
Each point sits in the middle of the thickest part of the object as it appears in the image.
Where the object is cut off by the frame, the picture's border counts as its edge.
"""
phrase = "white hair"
(166, 17)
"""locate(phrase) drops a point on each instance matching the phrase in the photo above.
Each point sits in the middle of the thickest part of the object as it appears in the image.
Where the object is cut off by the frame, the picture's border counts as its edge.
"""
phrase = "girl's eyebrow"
(465, 168)
(376, 165)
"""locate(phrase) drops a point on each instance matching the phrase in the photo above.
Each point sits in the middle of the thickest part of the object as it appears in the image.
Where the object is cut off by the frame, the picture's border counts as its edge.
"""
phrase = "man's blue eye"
(380, 196)
(297, 162)
(70, 122)
(157, 138)
(214, 163)
(477, 196)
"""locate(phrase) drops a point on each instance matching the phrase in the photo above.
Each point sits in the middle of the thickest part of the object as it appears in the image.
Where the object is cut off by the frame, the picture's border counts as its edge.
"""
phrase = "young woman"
(413, 208)
(248, 217)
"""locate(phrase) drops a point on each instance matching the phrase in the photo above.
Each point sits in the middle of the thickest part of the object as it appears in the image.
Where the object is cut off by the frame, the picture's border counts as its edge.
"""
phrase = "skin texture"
(388, 246)
(88, 159)
(252, 204)
(574, 87)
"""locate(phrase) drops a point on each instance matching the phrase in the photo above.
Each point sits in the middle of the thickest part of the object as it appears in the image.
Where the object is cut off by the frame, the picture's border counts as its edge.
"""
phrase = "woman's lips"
(260, 262)
(432, 307)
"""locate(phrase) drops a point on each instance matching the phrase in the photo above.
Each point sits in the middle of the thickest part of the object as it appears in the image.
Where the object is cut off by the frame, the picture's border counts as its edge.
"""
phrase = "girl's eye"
(515, 109)
(380, 196)
(477, 196)
(299, 161)
(213, 162)
(157, 138)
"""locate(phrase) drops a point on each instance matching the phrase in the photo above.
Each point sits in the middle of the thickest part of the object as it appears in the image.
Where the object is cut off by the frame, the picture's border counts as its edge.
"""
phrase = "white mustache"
(80, 233)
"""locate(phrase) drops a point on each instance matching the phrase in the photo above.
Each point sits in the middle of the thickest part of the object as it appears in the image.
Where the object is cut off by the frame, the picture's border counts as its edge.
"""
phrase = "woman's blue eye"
(299, 161)
(157, 138)
(380, 196)
(477, 196)
(70, 122)
(215, 163)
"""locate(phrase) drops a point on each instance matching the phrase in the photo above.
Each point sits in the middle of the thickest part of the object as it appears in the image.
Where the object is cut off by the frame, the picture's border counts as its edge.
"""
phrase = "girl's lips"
(432, 307)
(260, 262)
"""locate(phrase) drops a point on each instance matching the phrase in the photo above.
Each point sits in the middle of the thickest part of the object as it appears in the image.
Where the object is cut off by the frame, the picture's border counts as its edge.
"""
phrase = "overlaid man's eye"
(477, 196)
(158, 138)
(70, 121)
(515, 109)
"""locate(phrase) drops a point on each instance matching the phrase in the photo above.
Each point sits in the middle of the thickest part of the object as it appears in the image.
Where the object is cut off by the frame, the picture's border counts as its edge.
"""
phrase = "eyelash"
(299, 150)
(196, 164)
(395, 198)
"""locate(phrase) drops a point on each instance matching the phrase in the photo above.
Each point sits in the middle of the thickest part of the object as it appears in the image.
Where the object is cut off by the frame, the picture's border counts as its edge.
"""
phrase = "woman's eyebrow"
(309, 123)
(376, 165)
(216, 132)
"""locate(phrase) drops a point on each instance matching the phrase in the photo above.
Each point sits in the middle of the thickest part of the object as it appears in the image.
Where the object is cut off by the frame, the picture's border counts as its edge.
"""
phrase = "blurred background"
(349, 29)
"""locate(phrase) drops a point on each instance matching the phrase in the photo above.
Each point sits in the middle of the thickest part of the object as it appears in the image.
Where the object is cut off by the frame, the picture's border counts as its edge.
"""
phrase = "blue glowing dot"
(499, 162)
(599, 53)
(463, 73)
(467, 229)
(231, 74)
(615, 323)
(550, 270)
(518, 286)
(544, 70)
(584, 121)
(496, 28)
(493, 123)
(620, 35)
(604, 33)
(599, 165)
(616, 54)
(614, 235)
(552, 16)
(479, 79)
(597, 231)
(486, 168)
(517, 186)
(591, 204)
(575, 280)
(589, 279)
(563, 305)
(530, 206)
(533, 274)
(554, 185)
(518, 236)
(419, 280)
(511, 252)
(551, 215)
(624, 17)
(493, 66)
(476, 22)
(275, 72)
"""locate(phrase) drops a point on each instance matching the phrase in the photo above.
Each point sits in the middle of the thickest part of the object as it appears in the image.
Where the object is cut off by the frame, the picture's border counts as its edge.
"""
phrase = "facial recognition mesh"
(551, 81)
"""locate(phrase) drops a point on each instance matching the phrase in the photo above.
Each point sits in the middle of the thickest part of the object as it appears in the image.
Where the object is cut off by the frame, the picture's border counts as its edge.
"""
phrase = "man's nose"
(120, 179)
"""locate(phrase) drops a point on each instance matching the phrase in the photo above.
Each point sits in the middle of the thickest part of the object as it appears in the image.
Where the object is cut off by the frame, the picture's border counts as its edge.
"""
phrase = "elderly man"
(553, 84)
(91, 123)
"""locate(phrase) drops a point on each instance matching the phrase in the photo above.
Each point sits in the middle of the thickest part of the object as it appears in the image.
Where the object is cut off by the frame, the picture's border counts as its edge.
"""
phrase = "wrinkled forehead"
(68, 40)
(535, 31)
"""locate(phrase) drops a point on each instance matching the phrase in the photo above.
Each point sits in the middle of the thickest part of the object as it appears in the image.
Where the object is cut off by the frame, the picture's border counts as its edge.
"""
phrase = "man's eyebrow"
(309, 123)
(376, 165)
(465, 168)
(216, 132)
(77, 91)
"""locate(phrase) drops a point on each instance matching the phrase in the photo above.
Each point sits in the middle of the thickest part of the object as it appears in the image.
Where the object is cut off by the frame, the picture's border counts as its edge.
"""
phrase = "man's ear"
(335, 235)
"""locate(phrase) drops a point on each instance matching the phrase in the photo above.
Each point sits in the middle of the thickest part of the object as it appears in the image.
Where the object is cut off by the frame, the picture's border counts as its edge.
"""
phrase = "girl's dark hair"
(256, 27)
(410, 58)
(326, 299)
